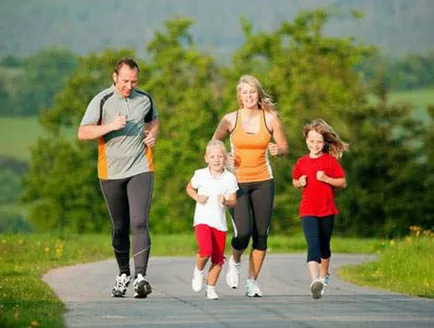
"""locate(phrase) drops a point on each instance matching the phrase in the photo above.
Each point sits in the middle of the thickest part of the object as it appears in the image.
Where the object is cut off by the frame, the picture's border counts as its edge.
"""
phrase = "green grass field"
(418, 98)
(17, 134)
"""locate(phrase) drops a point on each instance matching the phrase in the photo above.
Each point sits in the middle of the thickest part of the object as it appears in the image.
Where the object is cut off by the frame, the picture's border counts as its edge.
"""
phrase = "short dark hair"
(128, 61)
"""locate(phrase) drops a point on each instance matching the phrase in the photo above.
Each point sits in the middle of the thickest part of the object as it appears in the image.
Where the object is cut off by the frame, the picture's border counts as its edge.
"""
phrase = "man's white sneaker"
(197, 281)
(211, 293)
(142, 288)
(316, 288)
(121, 285)
(252, 288)
(233, 274)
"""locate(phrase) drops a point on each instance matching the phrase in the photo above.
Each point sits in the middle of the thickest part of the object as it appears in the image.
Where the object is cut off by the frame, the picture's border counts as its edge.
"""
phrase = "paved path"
(85, 289)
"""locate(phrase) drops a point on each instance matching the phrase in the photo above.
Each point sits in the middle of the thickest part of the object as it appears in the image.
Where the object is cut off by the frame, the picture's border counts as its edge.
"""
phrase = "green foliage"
(62, 188)
(413, 71)
(39, 76)
(307, 73)
(383, 173)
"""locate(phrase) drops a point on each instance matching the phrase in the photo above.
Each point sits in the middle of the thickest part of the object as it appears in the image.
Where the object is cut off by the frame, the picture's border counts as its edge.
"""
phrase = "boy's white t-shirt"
(212, 213)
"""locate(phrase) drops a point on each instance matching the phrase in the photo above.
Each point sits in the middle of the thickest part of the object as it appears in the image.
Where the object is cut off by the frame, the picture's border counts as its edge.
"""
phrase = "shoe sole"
(143, 289)
(211, 298)
(316, 290)
(118, 294)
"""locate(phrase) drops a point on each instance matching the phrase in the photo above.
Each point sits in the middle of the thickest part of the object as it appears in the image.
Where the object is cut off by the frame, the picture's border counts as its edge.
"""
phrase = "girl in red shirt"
(318, 174)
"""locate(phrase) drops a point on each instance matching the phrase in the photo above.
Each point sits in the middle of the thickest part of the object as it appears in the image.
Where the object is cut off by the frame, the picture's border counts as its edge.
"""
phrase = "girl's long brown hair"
(333, 144)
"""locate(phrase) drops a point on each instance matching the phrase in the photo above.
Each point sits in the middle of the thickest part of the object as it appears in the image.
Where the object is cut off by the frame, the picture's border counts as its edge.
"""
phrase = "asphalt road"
(287, 302)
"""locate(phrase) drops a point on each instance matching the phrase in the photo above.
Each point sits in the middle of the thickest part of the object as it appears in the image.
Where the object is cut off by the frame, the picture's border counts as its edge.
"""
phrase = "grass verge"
(404, 266)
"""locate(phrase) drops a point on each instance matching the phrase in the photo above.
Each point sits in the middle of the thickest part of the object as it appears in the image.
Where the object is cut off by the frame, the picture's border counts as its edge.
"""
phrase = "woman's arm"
(231, 201)
(281, 145)
(224, 126)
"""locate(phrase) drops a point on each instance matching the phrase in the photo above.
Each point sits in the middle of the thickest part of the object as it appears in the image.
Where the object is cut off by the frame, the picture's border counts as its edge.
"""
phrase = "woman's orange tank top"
(251, 152)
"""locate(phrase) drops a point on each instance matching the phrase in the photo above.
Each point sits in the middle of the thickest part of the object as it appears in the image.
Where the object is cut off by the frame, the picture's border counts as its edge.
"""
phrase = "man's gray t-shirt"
(122, 153)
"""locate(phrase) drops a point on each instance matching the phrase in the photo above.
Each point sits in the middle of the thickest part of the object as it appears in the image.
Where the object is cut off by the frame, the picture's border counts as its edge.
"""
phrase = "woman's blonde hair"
(264, 102)
(333, 144)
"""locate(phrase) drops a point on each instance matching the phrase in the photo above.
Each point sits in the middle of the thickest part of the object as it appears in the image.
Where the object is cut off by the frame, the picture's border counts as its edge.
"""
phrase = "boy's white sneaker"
(197, 281)
(142, 288)
(252, 288)
(316, 288)
(211, 293)
(233, 274)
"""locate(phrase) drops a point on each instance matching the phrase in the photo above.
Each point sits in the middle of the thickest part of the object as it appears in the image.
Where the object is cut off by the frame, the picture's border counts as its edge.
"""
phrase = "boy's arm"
(193, 194)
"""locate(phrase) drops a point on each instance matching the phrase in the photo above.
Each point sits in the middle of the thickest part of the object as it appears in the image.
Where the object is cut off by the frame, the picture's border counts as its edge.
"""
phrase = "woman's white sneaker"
(252, 288)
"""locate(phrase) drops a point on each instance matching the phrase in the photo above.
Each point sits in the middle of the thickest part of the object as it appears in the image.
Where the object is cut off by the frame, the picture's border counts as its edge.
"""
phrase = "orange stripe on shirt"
(149, 158)
(102, 159)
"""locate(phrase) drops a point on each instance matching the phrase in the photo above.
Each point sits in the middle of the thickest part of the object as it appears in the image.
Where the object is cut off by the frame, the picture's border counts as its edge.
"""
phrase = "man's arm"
(151, 132)
(94, 131)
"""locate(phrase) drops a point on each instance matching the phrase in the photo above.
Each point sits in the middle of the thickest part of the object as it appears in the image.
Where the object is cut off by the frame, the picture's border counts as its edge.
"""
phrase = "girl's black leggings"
(318, 232)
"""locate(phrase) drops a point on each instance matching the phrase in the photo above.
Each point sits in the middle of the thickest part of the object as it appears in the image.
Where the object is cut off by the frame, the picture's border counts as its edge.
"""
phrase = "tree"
(383, 169)
(44, 74)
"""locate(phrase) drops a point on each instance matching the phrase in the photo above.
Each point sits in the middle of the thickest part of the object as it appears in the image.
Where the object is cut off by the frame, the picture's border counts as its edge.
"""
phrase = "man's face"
(125, 80)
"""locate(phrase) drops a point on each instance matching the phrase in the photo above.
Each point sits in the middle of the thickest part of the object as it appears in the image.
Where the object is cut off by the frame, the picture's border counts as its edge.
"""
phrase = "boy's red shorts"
(211, 242)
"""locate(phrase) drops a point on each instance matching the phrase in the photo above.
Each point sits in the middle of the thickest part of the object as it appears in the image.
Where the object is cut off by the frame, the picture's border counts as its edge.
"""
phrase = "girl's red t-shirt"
(318, 198)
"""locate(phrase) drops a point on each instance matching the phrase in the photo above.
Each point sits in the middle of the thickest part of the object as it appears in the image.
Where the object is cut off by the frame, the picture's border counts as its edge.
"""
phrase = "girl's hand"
(202, 199)
(321, 176)
(302, 181)
(221, 199)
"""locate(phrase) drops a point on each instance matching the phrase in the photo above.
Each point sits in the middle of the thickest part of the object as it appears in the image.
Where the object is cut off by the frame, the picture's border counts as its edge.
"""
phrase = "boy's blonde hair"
(218, 143)
(333, 144)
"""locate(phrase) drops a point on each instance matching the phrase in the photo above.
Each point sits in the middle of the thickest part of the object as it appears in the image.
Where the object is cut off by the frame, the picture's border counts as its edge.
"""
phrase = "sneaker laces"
(121, 282)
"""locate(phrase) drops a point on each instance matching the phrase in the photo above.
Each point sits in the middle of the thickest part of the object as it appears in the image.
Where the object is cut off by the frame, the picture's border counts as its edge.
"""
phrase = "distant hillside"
(27, 26)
